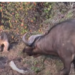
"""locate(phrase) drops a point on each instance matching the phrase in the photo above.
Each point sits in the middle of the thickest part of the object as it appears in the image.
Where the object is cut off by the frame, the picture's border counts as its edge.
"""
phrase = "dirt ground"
(42, 65)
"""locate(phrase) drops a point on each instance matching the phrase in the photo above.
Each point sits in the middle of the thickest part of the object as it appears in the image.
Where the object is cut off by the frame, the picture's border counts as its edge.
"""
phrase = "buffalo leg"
(66, 58)
(67, 66)
(74, 63)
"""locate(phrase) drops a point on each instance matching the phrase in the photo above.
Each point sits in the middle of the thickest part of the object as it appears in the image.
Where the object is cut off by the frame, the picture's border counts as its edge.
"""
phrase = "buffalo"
(59, 40)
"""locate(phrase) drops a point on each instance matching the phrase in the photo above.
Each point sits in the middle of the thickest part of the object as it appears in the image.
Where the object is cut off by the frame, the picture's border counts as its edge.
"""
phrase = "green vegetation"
(29, 16)
(21, 15)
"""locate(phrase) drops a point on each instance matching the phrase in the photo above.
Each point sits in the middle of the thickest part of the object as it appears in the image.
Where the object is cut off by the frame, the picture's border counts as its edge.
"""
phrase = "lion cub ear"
(3, 36)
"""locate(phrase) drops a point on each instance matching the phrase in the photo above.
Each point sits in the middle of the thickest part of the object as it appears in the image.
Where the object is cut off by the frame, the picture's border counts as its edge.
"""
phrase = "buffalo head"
(31, 48)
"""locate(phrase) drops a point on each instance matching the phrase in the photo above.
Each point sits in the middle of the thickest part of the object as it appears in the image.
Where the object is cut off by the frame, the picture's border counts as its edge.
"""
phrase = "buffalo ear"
(27, 50)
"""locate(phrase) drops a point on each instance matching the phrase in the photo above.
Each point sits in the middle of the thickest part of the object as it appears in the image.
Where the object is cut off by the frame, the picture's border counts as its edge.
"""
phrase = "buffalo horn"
(31, 39)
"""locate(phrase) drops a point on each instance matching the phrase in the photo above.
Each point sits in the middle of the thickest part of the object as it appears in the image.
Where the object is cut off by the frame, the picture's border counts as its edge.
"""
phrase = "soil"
(42, 65)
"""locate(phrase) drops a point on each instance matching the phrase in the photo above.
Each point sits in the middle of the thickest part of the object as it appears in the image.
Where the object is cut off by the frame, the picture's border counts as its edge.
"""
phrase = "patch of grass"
(36, 64)
(59, 64)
